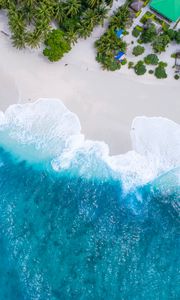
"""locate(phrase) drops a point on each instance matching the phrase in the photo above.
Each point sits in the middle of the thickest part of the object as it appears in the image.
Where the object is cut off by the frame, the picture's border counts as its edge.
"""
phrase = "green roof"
(170, 9)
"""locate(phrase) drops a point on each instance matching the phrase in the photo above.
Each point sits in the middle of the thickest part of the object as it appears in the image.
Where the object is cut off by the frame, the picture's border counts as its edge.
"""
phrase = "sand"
(105, 102)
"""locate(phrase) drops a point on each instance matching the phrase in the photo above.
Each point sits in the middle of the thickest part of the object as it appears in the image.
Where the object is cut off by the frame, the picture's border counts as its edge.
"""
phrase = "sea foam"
(107, 232)
(47, 131)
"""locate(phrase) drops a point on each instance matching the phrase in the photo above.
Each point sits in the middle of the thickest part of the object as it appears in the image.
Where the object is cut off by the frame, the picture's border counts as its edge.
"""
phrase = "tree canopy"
(56, 45)
(30, 21)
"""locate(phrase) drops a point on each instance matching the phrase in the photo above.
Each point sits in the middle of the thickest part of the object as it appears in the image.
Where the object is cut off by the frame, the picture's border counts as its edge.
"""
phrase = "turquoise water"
(66, 237)
(78, 228)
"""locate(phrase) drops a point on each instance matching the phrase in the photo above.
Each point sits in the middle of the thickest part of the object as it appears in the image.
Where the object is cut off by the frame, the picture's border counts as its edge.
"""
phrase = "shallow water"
(74, 226)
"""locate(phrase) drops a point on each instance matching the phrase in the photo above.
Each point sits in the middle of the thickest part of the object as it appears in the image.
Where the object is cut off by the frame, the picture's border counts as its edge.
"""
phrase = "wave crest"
(47, 131)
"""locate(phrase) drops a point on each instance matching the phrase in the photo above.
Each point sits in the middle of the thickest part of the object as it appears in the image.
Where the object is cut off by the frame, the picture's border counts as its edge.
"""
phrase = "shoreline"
(105, 102)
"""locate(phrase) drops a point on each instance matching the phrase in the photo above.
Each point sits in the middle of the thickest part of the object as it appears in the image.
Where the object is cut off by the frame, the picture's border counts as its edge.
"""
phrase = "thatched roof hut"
(136, 5)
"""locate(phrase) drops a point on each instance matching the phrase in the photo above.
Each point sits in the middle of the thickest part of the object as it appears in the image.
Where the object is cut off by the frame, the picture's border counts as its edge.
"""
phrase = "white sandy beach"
(105, 102)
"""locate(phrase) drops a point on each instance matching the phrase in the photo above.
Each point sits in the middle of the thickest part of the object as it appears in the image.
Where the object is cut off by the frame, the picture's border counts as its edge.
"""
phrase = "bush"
(145, 2)
(151, 59)
(151, 72)
(139, 41)
(177, 37)
(56, 45)
(124, 62)
(173, 55)
(162, 64)
(160, 72)
(139, 28)
(148, 35)
(146, 16)
(120, 18)
(107, 46)
(138, 50)
(160, 43)
(171, 34)
(176, 77)
(164, 25)
(108, 62)
(135, 32)
(138, 13)
(130, 65)
(140, 68)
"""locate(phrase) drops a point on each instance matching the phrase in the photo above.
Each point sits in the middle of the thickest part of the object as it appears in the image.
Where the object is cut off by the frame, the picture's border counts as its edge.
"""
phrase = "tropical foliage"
(56, 45)
(148, 34)
(160, 71)
(138, 50)
(140, 68)
(110, 44)
(151, 59)
(31, 21)
(160, 43)
(135, 32)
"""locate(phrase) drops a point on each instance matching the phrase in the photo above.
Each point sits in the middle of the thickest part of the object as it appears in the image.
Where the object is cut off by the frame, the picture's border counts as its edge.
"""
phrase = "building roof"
(119, 56)
(119, 32)
(170, 9)
(137, 5)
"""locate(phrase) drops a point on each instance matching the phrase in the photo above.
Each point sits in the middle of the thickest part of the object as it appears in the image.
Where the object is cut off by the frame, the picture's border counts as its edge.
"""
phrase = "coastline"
(105, 102)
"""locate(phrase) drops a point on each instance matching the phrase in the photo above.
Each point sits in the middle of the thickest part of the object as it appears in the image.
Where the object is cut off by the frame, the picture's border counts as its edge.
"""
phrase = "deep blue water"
(66, 237)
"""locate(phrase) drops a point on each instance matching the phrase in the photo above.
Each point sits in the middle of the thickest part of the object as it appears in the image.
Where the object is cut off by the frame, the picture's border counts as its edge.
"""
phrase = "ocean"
(77, 223)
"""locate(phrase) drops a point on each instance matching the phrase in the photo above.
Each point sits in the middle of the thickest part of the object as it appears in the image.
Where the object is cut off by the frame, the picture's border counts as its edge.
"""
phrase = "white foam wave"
(47, 130)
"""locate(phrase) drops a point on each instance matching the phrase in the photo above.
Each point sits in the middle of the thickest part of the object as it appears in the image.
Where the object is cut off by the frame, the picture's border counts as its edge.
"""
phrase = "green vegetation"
(107, 47)
(160, 71)
(30, 22)
(151, 59)
(160, 43)
(58, 24)
(151, 16)
(151, 72)
(171, 34)
(56, 44)
(136, 32)
(138, 50)
(120, 18)
(148, 35)
(130, 65)
(177, 37)
(148, 15)
(124, 62)
(176, 76)
(163, 64)
(140, 68)
(174, 35)
(109, 44)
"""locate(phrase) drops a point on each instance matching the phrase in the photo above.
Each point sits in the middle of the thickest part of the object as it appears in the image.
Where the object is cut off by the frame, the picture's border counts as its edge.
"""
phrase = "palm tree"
(72, 37)
(17, 26)
(89, 18)
(97, 3)
(109, 2)
(84, 32)
(72, 7)
(3, 4)
(34, 38)
(101, 14)
(94, 3)
(59, 12)
(18, 40)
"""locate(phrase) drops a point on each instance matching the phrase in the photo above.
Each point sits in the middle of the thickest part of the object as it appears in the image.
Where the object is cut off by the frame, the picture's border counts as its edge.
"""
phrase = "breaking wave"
(78, 223)
(46, 131)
